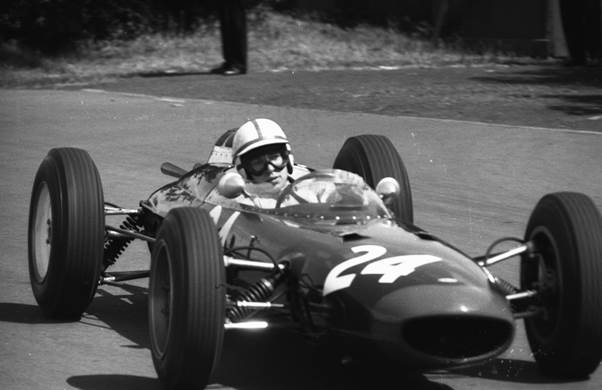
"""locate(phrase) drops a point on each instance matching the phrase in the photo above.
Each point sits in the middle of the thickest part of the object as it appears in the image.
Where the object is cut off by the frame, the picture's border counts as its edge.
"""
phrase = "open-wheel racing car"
(338, 257)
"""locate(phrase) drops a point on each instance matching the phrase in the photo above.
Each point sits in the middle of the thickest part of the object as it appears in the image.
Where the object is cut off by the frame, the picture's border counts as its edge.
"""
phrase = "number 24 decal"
(391, 268)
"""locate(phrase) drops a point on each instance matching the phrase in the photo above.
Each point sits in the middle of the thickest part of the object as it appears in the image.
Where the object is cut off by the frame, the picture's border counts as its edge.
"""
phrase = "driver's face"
(278, 178)
(268, 165)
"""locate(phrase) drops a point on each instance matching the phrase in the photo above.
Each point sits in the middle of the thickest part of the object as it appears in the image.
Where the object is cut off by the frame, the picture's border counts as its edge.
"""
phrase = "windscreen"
(332, 195)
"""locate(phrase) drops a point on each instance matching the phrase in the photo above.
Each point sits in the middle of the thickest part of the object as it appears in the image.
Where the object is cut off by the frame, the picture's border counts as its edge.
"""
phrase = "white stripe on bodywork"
(215, 213)
(226, 227)
(223, 230)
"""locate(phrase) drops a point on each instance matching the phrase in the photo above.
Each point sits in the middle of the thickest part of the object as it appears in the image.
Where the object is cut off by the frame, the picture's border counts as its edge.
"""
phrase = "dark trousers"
(582, 30)
(233, 27)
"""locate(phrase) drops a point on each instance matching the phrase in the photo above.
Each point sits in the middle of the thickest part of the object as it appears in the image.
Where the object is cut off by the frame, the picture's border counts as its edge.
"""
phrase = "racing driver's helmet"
(259, 136)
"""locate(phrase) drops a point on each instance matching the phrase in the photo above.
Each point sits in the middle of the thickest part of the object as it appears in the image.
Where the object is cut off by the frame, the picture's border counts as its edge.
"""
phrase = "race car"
(339, 258)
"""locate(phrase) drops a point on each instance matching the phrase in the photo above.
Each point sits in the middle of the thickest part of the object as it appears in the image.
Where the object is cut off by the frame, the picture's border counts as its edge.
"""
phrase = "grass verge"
(277, 42)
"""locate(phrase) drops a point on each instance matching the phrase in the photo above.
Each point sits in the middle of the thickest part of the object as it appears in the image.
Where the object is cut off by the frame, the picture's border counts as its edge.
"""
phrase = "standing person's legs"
(593, 30)
(222, 13)
(233, 29)
(238, 34)
(573, 22)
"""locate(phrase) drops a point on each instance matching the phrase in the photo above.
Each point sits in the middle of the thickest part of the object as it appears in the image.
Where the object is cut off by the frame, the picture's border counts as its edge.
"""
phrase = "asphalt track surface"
(472, 183)
(534, 95)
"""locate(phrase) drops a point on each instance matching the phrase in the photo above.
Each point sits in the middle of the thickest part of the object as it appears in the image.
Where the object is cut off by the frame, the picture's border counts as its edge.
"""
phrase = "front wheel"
(186, 299)
(566, 337)
(374, 157)
(65, 233)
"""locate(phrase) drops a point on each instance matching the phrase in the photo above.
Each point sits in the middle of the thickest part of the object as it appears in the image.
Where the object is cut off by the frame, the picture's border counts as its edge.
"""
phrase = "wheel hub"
(42, 233)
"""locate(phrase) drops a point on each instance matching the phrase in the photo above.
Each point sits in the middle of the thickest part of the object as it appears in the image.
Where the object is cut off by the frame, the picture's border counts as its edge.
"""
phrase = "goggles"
(258, 165)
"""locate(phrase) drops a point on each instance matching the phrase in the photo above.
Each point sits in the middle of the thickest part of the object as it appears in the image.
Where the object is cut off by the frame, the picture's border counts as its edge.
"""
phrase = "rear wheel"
(374, 157)
(566, 337)
(186, 299)
(66, 233)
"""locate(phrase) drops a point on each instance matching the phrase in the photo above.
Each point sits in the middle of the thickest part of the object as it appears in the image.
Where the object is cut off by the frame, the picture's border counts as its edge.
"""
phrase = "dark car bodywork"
(335, 255)
(375, 282)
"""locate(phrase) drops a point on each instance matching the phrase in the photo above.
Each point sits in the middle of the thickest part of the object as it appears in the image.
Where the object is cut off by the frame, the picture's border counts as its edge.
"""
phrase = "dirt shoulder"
(543, 96)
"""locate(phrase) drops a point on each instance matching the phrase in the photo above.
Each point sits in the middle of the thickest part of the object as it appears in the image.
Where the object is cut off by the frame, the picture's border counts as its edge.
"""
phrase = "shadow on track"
(122, 308)
(125, 313)
(511, 370)
(168, 73)
(113, 382)
(573, 102)
(267, 360)
(578, 105)
(21, 313)
(279, 359)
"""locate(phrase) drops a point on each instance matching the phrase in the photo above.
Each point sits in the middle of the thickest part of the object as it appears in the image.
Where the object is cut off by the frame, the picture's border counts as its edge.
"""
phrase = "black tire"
(374, 157)
(566, 338)
(186, 299)
(66, 233)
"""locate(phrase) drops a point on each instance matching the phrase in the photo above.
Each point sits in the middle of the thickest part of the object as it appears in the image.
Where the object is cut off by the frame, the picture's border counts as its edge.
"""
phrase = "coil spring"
(114, 246)
(256, 293)
(506, 286)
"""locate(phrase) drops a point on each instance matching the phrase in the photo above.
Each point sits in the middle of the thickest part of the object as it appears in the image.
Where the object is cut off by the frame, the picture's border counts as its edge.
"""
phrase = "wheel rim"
(548, 283)
(161, 301)
(42, 233)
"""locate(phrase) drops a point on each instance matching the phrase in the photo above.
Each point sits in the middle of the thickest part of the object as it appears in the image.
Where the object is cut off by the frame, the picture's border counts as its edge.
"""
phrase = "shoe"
(228, 70)
(233, 71)
(220, 69)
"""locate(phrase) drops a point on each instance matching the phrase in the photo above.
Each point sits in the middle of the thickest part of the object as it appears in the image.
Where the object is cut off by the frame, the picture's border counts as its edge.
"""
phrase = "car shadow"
(272, 359)
(120, 312)
(21, 313)
(571, 79)
(511, 370)
(123, 308)
(171, 73)
(124, 312)
(263, 360)
(113, 382)
(281, 359)
(266, 360)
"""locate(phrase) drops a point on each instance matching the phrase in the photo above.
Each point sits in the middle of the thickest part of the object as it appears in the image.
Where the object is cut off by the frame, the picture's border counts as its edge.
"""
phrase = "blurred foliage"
(402, 15)
(55, 26)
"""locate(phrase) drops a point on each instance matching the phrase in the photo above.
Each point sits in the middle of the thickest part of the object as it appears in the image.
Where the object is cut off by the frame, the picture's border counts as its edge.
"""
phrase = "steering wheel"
(290, 189)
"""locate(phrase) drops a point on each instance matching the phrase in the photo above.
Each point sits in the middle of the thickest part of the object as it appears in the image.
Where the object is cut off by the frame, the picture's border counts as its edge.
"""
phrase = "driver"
(262, 155)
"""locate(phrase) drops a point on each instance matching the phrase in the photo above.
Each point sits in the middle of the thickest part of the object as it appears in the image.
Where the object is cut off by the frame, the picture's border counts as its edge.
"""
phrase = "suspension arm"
(488, 261)
(250, 264)
(246, 325)
(114, 210)
(522, 295)
(117, 232)
(259, 305)
(123, 276)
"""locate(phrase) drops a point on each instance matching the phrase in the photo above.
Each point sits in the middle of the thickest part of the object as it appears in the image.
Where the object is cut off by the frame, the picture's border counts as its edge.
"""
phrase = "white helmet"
(254, 134)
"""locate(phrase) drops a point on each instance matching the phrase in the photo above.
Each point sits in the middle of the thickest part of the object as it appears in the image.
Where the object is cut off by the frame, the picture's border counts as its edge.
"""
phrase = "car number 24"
(391, 268)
